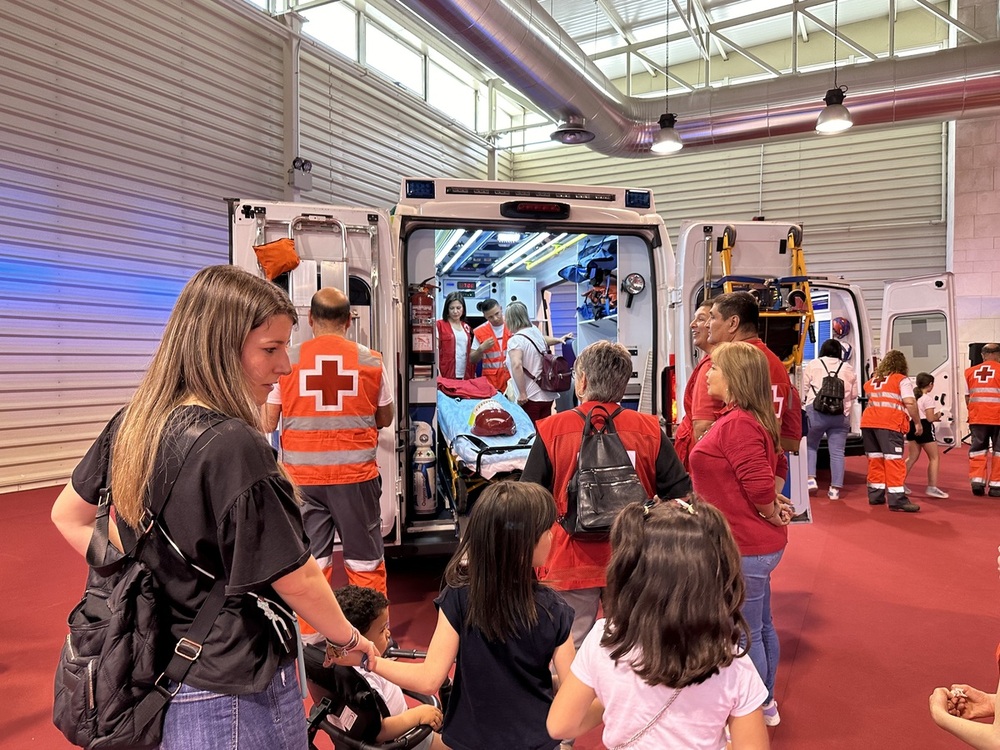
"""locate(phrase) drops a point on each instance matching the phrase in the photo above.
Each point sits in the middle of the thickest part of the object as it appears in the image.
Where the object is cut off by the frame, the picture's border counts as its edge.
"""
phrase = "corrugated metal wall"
(123, 126)
(872, 203)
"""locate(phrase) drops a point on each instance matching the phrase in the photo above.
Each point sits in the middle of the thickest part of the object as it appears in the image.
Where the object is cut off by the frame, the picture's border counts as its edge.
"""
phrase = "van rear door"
(918, 320)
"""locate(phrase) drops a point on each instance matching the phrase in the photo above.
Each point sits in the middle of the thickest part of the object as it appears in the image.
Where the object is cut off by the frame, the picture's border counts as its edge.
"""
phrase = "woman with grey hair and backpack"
(829, 389)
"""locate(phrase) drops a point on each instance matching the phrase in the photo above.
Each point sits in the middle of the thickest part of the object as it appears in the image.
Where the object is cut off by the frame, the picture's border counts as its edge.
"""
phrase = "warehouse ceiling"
(618, 64)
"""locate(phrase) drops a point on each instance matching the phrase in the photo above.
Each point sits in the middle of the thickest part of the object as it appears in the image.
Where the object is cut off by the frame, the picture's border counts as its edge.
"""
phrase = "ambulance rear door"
(918, 320)
(351, 249)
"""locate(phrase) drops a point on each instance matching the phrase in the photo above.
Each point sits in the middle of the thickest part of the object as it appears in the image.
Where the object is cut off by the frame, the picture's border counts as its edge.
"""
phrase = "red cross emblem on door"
(984, 374)
(329, 382)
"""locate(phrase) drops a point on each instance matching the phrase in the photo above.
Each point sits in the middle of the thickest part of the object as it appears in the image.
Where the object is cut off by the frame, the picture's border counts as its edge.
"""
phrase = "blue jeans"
(764, 649)
(835, 427)
(273, 719)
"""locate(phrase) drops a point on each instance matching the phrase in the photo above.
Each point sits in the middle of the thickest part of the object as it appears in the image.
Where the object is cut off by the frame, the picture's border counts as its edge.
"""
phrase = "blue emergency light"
(638, 199)
(420, 189)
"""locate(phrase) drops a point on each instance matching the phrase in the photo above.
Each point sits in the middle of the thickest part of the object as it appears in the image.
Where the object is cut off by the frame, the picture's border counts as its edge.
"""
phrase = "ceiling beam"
(837, 34)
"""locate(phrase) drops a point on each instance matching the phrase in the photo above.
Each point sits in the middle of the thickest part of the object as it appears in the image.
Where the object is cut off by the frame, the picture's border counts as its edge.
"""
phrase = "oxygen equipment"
(422, 324)
(424, 480)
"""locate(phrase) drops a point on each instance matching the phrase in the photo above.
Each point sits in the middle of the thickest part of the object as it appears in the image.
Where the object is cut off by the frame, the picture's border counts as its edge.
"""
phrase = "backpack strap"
(188, 649)
(542, 353)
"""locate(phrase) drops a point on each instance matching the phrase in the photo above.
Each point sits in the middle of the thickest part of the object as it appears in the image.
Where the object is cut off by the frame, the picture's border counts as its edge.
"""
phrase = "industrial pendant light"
(572, 131)
(835, 117)
(667, 140)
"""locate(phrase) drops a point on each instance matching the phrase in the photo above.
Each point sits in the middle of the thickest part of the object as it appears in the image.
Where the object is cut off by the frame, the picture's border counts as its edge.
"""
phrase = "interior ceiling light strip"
(525, 247)
(556, 249)
(465, 246)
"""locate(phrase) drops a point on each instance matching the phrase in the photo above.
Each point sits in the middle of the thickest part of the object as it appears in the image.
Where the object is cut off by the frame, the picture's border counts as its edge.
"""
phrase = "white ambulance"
(593, 261)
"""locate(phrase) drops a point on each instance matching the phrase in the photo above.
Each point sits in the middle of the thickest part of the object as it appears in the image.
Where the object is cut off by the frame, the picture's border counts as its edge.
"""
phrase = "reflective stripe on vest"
(328, 405)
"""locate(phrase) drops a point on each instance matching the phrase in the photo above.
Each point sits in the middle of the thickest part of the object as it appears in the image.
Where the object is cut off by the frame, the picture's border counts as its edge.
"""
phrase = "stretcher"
(469, 462)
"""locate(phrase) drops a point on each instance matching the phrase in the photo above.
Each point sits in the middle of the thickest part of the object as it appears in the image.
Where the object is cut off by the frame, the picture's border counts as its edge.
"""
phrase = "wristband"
(768, 517)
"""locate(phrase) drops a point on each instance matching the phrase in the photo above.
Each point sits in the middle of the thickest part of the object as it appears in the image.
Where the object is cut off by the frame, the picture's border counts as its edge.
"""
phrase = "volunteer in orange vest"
(884, 424)
(332, 406)
(492, 337)
(983, 402)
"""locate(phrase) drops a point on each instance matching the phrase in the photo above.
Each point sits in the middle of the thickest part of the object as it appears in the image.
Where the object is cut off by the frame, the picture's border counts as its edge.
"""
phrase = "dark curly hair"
(361, 605)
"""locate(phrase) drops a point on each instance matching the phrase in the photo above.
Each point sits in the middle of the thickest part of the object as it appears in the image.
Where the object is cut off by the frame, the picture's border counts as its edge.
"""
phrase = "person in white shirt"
(524, 361)
(664, 664)
(925, 440)
(834, 426)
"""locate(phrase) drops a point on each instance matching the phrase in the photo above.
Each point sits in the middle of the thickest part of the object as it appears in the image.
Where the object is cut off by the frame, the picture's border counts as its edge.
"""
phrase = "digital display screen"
(534, 210)
(466, 285)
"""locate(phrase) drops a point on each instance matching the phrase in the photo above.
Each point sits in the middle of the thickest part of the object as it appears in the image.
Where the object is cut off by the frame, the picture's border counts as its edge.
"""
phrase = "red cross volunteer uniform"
(884, 424)
(495, 358)
(983, 382)
(329, 441)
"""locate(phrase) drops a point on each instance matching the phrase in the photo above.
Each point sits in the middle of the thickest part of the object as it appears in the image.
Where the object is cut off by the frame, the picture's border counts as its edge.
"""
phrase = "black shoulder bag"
(110, 687)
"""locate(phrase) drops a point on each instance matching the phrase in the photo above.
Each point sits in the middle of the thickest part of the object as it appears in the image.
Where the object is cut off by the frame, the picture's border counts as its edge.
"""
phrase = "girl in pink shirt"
(665, 663)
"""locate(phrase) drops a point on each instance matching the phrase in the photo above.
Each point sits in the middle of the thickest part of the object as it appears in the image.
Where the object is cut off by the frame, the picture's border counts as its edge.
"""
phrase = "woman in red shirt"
(457, 357)
(733, 468)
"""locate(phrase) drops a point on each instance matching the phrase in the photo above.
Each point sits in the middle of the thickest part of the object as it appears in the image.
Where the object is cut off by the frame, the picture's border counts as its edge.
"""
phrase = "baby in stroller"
(362, 705)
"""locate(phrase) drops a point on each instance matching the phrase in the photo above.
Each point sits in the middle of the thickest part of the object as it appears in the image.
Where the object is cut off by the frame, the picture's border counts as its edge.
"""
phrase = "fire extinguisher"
(421, 323)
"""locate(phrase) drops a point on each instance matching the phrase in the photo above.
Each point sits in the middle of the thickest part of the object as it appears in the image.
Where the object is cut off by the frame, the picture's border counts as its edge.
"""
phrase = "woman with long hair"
(231, 515)
(457, 357)
(733, 468)
(884, 424)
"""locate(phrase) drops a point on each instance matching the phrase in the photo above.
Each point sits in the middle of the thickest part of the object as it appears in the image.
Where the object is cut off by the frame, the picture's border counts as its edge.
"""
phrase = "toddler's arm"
(394, 726)
(972, 733)
(748, 732)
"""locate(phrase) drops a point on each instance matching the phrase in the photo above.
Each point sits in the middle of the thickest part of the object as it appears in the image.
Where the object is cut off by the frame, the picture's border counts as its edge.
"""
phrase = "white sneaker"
(811, 484)
(936, 492)
(833, 493)
(771, 716)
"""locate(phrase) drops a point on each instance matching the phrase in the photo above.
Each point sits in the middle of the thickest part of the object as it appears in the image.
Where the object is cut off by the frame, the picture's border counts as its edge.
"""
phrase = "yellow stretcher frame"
(785, 288)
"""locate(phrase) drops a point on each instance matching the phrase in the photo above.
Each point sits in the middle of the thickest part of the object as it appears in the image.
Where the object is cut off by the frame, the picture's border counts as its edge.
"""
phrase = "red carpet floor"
(874, 610)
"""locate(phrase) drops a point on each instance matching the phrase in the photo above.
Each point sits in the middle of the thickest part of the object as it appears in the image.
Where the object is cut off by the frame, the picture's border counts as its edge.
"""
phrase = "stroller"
(351, 712)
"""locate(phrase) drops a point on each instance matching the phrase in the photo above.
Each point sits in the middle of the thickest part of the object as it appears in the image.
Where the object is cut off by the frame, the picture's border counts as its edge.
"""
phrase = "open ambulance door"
(918, 320)
(347, 248)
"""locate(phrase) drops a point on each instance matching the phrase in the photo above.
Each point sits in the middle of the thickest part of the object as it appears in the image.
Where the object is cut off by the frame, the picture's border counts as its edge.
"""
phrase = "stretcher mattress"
(486, 456)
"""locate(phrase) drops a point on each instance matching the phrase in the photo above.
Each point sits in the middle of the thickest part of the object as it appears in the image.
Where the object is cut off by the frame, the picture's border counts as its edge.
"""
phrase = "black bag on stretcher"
(605, 481)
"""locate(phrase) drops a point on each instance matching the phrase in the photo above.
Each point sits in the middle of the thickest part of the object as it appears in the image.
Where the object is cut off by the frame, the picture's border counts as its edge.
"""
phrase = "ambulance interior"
(570, 280)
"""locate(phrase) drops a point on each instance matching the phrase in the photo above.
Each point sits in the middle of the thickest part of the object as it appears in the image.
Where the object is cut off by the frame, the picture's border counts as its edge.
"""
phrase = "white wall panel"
(124, 125)
(871, 202)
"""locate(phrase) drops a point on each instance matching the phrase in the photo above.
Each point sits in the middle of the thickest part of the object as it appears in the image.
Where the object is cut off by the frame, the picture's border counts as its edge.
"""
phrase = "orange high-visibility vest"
(328, 405)
(885, 408)
(983, 381)
(495, 358)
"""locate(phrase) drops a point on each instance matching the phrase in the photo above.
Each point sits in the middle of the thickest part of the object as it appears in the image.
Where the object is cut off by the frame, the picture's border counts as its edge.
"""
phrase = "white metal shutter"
(124, 125)
(364, 134)
(872, 202)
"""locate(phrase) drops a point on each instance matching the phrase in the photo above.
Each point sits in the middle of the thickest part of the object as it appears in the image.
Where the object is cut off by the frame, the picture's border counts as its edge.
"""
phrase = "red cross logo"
(984, 374)
(877, 383)
(329, 382)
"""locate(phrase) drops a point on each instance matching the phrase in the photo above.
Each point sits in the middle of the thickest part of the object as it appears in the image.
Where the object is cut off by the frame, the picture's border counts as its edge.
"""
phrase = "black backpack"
(605, 480)
(830, 396)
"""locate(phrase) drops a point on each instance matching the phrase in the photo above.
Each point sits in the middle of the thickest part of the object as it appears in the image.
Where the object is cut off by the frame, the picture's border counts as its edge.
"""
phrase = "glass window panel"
(453, 97)
(401, 63)
(923, 339)
(334, 25)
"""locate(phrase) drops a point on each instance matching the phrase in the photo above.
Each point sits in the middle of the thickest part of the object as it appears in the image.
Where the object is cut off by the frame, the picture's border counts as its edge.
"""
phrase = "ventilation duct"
(522, 44)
